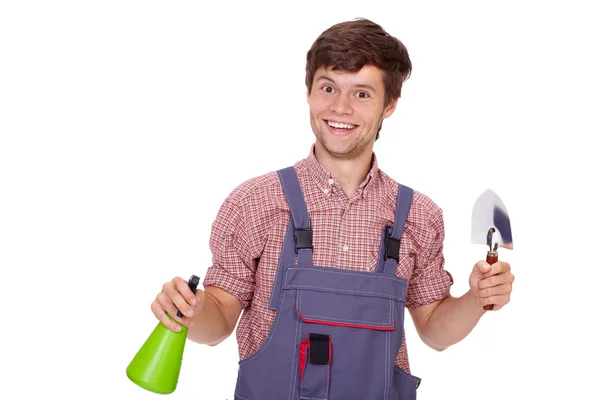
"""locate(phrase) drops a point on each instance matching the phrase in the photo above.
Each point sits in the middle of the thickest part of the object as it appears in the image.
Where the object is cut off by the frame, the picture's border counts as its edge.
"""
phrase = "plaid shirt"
(249, 230)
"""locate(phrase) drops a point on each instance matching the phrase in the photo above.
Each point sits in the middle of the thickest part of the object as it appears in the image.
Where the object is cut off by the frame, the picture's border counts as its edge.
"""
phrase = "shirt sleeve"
(233, 263)
(430, 281)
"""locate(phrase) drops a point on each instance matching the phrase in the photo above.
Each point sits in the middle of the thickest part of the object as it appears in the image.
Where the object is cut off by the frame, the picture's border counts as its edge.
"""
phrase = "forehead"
(368, 75)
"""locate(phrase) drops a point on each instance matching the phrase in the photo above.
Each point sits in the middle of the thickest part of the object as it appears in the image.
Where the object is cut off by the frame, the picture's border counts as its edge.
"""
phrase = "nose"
(341, 105)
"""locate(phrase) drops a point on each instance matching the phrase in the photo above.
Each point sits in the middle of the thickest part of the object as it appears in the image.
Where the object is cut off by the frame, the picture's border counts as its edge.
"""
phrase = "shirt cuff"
(238, 288)
(428, 289)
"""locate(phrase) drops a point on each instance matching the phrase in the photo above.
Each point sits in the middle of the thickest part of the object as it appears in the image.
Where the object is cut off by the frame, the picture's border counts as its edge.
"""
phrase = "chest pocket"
(349, 310)
(360, 314)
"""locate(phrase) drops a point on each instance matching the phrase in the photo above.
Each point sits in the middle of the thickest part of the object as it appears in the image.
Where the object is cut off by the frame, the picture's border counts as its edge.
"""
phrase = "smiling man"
(346, 111)
(321, 259)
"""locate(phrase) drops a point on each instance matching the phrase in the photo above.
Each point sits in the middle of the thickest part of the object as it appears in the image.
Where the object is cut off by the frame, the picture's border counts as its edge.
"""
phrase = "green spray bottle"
(157, 364)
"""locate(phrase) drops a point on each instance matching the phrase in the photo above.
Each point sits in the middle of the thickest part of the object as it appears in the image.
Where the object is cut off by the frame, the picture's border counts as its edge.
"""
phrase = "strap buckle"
(303, 239)
(392, 246)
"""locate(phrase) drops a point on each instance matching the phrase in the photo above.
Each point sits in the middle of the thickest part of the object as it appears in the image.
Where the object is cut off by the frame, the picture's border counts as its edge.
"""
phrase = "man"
(323, 257)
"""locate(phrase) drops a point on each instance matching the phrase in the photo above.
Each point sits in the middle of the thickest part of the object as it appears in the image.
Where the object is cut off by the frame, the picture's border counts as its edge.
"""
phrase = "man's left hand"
(491, 284)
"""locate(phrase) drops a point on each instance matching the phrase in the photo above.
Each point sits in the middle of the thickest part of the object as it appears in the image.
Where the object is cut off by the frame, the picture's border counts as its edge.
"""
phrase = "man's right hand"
(176, 295)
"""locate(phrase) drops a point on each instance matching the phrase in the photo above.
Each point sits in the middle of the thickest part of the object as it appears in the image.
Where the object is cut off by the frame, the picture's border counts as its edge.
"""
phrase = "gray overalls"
(337, 332)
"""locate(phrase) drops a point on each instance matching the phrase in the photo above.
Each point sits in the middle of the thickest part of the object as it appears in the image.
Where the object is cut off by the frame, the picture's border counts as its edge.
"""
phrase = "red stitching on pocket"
(315, 321)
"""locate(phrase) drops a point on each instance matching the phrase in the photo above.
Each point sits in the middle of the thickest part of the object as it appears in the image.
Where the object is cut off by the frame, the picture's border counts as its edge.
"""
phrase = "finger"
(178, 292)
(168, 307)
(495, 290)
(185, 291)
(161, 315)
(496, 280)
(497, 268)
(497, 301)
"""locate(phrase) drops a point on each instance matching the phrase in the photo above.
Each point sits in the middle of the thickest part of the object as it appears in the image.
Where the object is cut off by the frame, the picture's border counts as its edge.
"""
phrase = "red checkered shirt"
(249, 230)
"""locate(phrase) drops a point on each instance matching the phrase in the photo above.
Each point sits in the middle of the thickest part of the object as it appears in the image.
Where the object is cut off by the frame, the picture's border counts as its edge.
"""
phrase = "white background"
(125, 124)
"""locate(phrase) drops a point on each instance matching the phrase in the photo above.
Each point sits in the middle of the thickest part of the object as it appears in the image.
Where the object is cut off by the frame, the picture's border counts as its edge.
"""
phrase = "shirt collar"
(325, 180)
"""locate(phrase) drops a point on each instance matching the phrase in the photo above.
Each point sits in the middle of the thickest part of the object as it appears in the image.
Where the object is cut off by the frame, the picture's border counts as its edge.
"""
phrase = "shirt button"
(345, 248)
(325, 191)
(331, 181)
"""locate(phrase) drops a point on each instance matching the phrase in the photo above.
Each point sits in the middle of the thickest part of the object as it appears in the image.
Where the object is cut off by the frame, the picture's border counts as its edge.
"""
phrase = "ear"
(390, 108)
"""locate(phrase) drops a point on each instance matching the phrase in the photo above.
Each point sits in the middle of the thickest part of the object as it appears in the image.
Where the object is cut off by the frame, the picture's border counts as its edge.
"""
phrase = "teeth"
(339, 125)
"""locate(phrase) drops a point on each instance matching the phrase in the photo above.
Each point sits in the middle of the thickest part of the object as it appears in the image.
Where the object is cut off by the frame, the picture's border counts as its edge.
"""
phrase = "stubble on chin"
(348, 151)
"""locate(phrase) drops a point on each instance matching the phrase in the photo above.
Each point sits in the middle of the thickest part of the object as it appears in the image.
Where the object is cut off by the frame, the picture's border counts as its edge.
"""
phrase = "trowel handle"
(490, 259)
(193, 285)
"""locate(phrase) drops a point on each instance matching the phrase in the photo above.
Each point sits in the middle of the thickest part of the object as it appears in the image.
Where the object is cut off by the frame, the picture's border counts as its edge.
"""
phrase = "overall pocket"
(315, 366)
(361, 315)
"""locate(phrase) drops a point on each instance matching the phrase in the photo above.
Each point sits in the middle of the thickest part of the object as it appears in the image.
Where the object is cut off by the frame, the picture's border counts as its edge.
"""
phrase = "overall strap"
(298, 236)
(302, 230)
(389, 252)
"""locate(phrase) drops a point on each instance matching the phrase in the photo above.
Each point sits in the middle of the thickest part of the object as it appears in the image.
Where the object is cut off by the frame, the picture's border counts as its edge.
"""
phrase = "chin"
(342, 151)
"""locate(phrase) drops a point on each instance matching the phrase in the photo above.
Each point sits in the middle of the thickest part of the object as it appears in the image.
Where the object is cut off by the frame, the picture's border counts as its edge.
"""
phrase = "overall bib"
(337, 332)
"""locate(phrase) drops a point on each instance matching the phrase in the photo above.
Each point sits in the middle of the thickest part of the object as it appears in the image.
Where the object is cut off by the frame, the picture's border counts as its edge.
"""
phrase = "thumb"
(483, 267)
(479, 271)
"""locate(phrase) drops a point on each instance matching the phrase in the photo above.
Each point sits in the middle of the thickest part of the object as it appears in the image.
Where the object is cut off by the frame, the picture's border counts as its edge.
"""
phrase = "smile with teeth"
(339, 125)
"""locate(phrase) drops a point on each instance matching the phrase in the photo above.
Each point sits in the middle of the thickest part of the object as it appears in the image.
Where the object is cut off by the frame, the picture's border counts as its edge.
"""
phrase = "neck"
(348, 172)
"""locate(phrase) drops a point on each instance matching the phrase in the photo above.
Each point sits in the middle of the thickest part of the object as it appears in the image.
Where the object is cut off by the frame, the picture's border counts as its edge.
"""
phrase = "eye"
(327, 89)
(362, 95)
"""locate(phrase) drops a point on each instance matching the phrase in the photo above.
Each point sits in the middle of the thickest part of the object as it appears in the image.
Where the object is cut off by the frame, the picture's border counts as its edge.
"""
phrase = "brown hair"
(350, 45)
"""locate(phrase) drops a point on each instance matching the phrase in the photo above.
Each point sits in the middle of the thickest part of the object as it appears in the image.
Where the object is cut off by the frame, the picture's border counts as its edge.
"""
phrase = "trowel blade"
(489, 212)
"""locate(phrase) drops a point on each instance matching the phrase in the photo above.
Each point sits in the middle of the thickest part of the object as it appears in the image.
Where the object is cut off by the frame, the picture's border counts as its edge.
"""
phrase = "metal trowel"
(490, 226)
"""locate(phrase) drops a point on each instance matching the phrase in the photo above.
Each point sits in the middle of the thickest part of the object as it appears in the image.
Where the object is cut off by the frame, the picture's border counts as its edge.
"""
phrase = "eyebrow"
(358, 85)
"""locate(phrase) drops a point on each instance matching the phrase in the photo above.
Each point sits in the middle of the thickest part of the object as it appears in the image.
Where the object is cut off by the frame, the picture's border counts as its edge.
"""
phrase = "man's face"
(346, 110)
